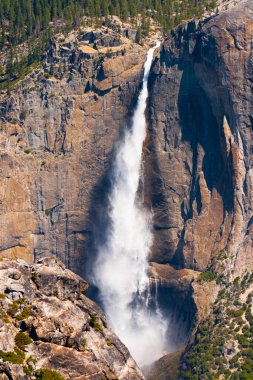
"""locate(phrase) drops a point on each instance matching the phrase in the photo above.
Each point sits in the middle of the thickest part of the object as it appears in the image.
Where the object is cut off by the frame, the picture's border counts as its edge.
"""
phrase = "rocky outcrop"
(198, 158)
(222, 345)
(57, 132)
(166, 368)
(47, 324)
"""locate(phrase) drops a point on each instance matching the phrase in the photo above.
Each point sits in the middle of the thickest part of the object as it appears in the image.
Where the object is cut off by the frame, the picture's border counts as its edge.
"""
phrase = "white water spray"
(121, 268)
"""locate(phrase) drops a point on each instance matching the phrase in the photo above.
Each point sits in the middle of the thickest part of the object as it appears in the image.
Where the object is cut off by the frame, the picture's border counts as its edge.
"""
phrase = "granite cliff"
(199, 163)
(57, 132)
(50, 330)
(199, 185)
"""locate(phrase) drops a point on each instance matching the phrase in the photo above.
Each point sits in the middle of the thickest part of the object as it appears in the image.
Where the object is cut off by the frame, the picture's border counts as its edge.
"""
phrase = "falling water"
(121, 268)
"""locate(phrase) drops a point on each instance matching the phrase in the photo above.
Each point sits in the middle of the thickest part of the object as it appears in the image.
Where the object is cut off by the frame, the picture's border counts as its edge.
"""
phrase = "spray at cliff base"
(121, 268)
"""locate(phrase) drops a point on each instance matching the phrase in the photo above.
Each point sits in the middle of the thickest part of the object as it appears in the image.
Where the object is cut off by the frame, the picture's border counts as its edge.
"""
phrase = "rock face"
(56, 142)
(199, 153)
(221, 344)
(57, 132)
(47, 323)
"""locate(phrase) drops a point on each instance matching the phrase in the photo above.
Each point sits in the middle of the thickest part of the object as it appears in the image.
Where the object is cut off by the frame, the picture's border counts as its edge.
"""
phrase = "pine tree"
(29, 21)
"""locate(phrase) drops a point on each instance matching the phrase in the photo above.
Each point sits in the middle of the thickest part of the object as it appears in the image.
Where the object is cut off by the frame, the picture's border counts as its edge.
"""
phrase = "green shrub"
(219, 279)
(32, 359)
(28, 150)
(249, 316)
(22, 340)
(15, 357)
(13, 308)
(46, 75)
(221, 294)
(246, 376)
(235, 376)
(221, 255)
(16, 310)
(244, 342)
(249, 299)
(48, 374)
(25, 313)
(21, 301)
(206, 276)
(95, 324)
(246, 331)
(248, 352)
(28, 370)
(84, 342)
(4, 316)
(239, 321)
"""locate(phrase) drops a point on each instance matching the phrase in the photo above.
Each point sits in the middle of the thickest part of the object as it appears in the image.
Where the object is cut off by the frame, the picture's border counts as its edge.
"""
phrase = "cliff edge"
(50, 330)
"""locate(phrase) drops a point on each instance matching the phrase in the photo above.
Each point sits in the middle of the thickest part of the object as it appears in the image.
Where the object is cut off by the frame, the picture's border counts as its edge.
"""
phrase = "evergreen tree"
(29, 21)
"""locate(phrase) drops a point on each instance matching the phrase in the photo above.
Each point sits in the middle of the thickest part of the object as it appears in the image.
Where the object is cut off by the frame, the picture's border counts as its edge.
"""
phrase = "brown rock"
(58, 130)
(198, 160)
(68, 331)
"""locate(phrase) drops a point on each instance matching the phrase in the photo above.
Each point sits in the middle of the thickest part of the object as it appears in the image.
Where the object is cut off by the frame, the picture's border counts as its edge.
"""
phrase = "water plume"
(120, 271)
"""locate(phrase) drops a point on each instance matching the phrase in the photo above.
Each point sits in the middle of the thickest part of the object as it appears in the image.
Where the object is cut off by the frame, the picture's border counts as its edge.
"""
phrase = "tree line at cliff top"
(33, 22)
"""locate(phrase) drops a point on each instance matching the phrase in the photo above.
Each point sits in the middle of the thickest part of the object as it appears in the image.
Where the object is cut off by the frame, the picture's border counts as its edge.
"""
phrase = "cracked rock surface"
(199, 154)
(43, 306)
(57, 134)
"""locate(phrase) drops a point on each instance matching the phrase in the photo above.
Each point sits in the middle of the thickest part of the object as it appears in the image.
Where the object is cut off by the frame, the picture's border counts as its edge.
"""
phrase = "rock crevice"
(47, 323)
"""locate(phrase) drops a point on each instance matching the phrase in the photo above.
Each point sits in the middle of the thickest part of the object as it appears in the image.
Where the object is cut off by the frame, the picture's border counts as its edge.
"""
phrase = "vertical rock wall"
(199, 155)
(57, 132)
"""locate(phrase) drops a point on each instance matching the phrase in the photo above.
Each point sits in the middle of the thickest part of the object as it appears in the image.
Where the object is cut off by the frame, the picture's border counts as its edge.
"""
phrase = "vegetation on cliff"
(223, 344)
(61, 335)
(27, 26)
(20, 19)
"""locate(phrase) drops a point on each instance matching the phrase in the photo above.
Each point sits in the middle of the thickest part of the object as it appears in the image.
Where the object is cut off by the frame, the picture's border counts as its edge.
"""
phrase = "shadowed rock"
(198, 160)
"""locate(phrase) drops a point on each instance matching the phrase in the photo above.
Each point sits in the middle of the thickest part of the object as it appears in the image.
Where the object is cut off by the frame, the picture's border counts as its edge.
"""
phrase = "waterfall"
(120, 271)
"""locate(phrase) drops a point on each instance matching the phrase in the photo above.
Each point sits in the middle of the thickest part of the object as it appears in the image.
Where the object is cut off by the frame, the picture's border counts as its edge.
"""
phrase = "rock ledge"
(47, 323)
